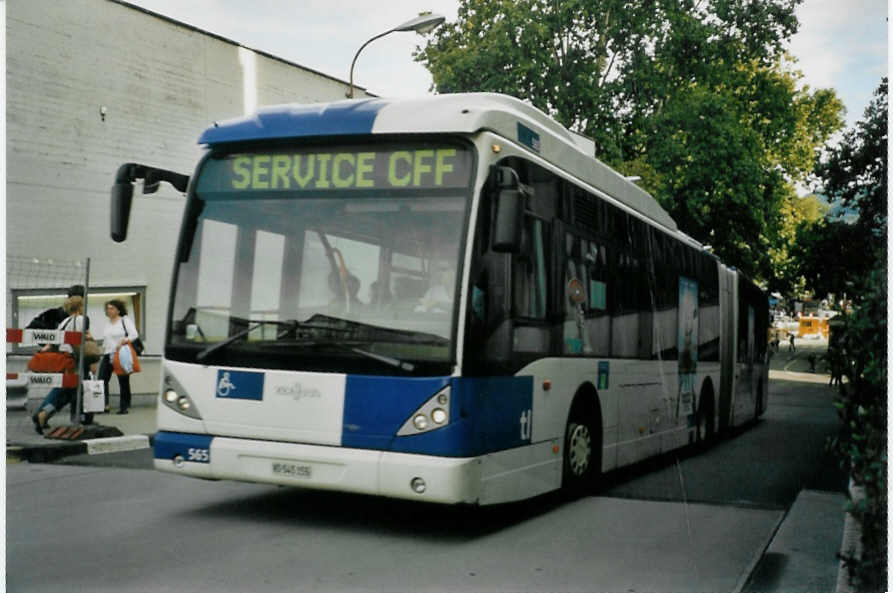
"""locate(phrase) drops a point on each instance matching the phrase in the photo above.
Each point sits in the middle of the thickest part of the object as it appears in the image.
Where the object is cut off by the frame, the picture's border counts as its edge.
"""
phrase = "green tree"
(860, 355)
(697, 98)
(846, 256)
(855, 171)
(798, 216)
(838, 255)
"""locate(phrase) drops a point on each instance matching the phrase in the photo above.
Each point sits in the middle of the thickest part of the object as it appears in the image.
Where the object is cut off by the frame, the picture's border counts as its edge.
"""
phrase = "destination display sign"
(361, 168)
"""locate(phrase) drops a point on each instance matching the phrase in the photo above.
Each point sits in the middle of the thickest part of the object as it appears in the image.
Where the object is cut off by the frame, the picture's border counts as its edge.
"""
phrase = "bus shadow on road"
(306, 508)
(374, 514)
(346, 511)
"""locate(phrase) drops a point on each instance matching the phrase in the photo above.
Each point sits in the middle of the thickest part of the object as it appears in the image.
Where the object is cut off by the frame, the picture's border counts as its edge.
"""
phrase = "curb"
(47, 453)
(748, 574)
(851, 541)
(130, 442)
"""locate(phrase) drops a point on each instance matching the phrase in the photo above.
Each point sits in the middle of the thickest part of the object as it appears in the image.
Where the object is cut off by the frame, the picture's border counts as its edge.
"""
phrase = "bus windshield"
(339, 259)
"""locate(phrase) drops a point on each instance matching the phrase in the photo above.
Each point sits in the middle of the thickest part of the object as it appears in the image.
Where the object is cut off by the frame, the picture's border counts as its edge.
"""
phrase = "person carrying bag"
(117, 343)
(65, 358)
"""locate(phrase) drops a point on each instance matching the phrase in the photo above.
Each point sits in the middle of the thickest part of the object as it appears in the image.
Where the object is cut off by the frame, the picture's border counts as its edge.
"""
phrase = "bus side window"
(529, 275)
(575, 297)
(598, 329)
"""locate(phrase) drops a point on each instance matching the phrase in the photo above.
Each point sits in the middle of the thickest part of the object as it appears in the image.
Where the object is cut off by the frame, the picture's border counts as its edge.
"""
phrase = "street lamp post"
(424, 23)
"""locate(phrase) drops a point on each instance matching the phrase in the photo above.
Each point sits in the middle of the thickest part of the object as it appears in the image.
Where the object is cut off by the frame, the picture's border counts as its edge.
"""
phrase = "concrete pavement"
(798, 554)
(23, 443)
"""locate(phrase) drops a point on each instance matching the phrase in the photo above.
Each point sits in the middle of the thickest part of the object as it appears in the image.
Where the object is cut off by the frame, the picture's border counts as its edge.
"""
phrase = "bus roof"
(462, 113)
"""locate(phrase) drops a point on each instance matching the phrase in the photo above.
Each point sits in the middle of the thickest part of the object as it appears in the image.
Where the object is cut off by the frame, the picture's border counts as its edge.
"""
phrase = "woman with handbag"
(119, 331)
(59, 397)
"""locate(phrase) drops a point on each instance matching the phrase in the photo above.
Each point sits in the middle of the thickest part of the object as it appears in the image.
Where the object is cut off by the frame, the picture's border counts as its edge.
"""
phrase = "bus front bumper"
(398, 475)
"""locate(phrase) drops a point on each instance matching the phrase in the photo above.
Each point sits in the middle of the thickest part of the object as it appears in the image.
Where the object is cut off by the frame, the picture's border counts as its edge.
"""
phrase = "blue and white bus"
(444, 299)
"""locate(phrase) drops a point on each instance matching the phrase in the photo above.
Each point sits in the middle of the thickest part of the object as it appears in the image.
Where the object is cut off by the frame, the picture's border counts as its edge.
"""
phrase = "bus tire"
(582, 451)
(705, 431)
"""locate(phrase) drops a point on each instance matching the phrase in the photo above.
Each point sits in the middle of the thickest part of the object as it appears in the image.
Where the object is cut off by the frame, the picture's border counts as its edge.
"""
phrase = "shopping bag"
(51, 362)
(94, 396)
(125, 361)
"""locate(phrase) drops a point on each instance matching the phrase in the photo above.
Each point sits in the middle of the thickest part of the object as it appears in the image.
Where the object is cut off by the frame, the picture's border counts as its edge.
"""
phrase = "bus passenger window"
(575, 341)
(529, 272)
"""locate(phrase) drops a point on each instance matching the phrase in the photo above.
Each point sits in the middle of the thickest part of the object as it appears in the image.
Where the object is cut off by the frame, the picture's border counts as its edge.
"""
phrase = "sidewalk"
(802, 556)
(23, 443)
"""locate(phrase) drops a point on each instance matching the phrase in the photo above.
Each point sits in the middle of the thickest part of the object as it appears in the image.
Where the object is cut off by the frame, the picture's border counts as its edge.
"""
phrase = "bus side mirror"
(510, 199)
(122, 192)
(122, 198)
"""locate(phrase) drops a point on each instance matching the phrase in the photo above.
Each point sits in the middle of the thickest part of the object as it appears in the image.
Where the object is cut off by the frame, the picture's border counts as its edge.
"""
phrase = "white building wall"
(161, 84)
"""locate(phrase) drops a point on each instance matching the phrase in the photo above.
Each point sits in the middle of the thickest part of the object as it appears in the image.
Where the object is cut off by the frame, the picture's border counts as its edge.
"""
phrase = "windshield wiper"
(291, 325)
(394, 362)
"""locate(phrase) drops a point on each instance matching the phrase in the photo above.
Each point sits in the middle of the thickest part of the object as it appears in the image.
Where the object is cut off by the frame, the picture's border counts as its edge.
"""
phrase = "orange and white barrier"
(33, 337)
(46, 379)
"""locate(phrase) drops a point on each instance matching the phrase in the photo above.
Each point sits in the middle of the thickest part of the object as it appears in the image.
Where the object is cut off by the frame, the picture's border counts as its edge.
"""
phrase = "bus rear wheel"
(705, 430)
(582, 454)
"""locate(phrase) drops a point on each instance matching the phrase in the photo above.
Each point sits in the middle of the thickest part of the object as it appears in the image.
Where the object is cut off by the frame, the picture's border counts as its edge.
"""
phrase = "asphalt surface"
(73, 528)
(760, 511)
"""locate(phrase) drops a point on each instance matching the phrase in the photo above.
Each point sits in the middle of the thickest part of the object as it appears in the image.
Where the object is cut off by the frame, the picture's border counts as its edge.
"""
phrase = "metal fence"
(34, 285)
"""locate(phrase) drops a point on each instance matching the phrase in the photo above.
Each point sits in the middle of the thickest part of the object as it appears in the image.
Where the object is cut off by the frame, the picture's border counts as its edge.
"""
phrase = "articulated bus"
(444, 299)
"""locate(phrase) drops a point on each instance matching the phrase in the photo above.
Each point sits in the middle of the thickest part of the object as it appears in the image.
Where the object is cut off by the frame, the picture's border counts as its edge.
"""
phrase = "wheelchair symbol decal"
(224, 386)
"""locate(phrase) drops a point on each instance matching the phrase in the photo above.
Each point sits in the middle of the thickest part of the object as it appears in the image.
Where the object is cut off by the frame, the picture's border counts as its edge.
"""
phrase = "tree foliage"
(697, 98)
(837, 255)
(798, 216)
(855, 171)
(860, 355)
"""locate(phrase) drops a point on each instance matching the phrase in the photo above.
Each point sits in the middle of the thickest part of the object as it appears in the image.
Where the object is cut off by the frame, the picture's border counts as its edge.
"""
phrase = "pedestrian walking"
(835, 366)
(119, 330)
(791, 348)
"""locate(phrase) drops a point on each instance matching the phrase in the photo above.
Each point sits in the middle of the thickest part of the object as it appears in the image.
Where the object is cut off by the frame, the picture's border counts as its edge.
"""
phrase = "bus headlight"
(431, 415)
(175, 397)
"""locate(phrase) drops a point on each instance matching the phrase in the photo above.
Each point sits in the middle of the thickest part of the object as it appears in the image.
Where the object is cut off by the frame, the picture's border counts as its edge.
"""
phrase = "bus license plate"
(292, 470)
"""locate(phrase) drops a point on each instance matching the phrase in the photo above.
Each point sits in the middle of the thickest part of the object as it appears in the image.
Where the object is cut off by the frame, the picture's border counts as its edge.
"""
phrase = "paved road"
(763, 465)
(82, 527)
(73, 528)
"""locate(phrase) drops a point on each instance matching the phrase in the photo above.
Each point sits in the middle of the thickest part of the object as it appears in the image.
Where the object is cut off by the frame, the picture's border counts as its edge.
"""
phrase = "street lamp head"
(424, 23)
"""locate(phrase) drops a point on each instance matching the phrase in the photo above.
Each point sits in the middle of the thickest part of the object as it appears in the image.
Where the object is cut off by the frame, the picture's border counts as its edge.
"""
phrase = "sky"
(841, 44)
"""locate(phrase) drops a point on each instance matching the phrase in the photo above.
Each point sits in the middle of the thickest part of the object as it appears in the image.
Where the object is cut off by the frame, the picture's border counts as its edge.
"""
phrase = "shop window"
(29, 303)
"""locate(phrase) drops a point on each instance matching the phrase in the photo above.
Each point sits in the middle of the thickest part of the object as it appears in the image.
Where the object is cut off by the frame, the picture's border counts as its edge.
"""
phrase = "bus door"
(745, 383)
(727, 344)
(688, 348)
